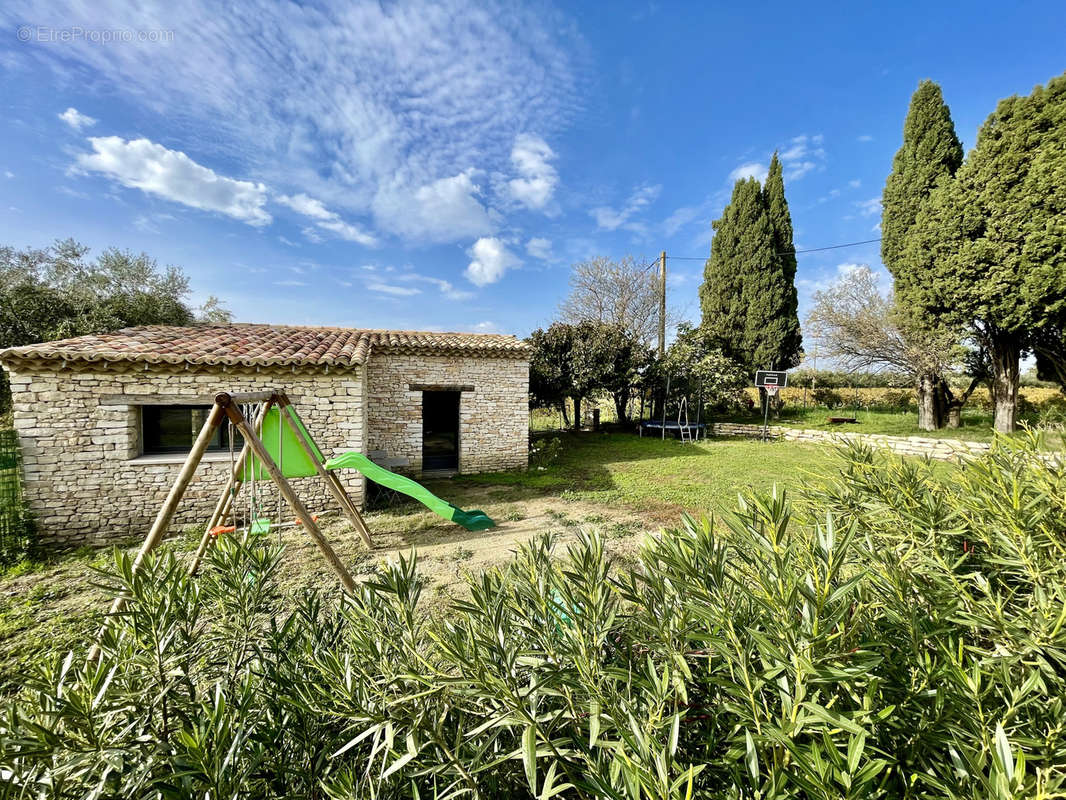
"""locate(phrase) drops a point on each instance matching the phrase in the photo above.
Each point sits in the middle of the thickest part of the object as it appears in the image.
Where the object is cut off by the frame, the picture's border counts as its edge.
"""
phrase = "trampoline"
(672, 427)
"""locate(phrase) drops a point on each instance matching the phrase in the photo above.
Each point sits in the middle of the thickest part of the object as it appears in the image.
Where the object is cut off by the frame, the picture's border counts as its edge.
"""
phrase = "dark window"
(173, 429)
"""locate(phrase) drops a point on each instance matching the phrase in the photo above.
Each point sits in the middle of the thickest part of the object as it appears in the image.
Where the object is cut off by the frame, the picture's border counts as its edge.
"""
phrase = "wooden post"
(229, 492)
(332, 481)
(662, 304)
(260, 452)
(166, 513)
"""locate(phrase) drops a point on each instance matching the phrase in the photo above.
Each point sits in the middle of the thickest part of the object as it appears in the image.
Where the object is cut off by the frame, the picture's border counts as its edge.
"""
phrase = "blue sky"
(440, 166)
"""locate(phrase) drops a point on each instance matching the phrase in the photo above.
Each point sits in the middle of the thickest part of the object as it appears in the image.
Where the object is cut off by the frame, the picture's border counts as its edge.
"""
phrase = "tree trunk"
(929, 403)
(954, 402)
(1006, 352)
(577, 413)
(566, 417)
(621, 405)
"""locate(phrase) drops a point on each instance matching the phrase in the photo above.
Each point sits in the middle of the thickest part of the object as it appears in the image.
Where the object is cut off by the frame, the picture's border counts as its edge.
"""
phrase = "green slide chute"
(471, 520)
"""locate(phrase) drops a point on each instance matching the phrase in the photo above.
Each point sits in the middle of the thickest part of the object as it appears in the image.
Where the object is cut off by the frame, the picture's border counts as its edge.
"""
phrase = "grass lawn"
(663, 478)
(619, 483)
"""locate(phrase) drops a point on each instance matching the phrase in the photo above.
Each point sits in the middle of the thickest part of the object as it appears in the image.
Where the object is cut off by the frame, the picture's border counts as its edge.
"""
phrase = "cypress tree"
(990, 244)
(773, 328)
(930, 153)
(748, 295)
(742, 247)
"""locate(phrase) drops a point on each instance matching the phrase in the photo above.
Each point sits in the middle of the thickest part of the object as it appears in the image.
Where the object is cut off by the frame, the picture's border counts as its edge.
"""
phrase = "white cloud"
(152, 168)
(393, 289)
(539, 247)
(445, 287)
(442, 211)
(325, 219)
(803, 155)
(290, 283)
(308, 206)
(532, 159)
(76, 119)
(865, 138)
(9, 174)
(855, 184)
(610, 219)
(346, 230)
(680, 218)
(869, 207)
(491, 259)
(753, 169)
(371, 108)
(487, 327)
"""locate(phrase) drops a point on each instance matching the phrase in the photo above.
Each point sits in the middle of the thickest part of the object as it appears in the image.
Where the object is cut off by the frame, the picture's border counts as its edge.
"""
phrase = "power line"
(787, 252)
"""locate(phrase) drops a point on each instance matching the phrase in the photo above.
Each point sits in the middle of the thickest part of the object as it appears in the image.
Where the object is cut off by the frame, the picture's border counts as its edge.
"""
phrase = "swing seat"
(260, 527)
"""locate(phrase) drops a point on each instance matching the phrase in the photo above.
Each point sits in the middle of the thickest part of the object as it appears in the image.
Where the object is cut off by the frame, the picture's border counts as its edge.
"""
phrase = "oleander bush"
(898, 631)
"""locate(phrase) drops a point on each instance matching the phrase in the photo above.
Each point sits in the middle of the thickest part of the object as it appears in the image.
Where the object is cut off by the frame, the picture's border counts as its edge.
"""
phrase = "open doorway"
(440, 430)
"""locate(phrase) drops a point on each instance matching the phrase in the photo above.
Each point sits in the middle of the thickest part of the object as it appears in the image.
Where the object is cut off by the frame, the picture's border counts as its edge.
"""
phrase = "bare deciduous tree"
(622, 293)
(854, 323)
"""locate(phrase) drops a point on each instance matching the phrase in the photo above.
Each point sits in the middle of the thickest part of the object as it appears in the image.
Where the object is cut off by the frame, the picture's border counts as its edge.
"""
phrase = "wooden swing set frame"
(228, 406)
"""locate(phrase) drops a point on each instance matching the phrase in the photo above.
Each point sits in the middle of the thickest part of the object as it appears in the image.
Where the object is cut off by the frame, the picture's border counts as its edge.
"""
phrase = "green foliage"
(56, 293)
(841, 380)
(897, 633)
(774, 333)
(989, 245)
(544, 452)
(697, 368)
(577, 360)
(748, 295)
(17, 529)
(930, 152)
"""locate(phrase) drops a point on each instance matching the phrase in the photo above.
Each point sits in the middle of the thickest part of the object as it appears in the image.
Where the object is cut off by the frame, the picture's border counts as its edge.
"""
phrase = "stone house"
(104, 421)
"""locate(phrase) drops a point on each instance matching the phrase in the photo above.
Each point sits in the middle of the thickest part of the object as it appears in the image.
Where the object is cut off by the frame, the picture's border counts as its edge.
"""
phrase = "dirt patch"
(447, 552)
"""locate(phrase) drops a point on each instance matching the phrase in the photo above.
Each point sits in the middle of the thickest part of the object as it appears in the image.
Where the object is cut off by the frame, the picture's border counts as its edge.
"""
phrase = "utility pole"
(662, 304)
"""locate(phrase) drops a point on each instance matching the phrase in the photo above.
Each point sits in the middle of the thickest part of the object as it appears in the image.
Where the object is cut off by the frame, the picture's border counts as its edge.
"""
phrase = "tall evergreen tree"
(721, 304)
(773, 328)
(991, 243)
(748, 295)
(930, 153)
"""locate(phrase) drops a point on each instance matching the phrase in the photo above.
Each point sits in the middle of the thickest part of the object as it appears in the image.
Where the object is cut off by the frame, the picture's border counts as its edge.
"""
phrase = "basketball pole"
(766, 413)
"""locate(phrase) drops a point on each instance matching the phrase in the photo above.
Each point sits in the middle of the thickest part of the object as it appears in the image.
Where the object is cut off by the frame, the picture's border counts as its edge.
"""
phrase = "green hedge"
(897, 632)
(16, 525)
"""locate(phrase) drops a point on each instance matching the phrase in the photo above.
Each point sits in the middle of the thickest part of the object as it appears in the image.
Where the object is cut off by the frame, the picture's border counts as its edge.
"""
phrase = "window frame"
(223, 433)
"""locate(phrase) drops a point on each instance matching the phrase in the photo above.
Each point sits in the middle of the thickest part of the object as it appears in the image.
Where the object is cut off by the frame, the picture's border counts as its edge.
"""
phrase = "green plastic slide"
(471, 520)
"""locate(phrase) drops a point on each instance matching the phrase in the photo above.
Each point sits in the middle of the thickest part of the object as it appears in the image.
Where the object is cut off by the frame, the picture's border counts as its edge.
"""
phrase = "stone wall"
(493, 415)
(85, 479)
(944, 449)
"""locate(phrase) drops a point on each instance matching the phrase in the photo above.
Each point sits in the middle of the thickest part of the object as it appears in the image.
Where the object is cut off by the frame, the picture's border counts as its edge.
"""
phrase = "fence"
(16, 525)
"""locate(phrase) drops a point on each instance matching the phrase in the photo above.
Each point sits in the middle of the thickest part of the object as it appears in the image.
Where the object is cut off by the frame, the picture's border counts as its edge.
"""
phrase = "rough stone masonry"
(88, 482)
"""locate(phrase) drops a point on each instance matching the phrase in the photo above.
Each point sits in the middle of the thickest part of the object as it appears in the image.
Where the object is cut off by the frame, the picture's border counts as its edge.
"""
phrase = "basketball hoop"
(772, 390)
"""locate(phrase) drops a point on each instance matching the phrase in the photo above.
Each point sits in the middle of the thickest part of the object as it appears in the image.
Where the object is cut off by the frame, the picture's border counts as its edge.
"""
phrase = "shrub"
(545, 452)
(17, 529)
(895, 633)
(824, 396)
(895, 399)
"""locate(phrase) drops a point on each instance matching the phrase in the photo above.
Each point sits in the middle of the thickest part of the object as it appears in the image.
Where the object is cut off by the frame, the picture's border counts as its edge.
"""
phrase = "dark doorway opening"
(440, 430)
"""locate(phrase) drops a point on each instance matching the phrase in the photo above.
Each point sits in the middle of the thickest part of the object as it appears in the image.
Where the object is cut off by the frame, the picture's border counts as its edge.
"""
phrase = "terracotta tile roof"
(262, 345)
